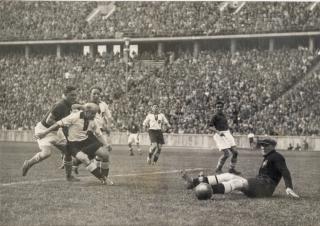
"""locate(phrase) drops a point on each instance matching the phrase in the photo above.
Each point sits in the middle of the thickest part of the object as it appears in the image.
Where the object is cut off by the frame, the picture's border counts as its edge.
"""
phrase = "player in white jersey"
(81, 143)
(155, 122)
(103, 119)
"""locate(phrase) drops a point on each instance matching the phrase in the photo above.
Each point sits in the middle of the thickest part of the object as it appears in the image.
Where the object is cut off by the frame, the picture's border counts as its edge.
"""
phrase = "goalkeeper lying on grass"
(272, 169)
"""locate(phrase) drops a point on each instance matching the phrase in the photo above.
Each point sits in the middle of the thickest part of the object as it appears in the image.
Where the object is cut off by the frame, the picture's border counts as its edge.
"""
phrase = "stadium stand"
(69, 20)
(186, 88)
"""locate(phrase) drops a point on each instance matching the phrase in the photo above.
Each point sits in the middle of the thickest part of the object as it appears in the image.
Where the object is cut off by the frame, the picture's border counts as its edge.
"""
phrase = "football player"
(85, 139)
(272, 169)
(55, 139)
(154, 122)
(133, 136)
(103, 119)
(223, 139)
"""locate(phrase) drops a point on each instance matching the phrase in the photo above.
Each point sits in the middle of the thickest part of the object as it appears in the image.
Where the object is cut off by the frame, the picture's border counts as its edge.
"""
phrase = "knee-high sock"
(157, 154)
(152, 149)
(68, 168)
(103, 166)
(234, 158)
(94, 170)
(223, 159)
(227, 187)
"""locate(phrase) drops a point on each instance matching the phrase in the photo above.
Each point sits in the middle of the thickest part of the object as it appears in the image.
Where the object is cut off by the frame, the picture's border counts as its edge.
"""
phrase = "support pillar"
(311, 44)
(233, 46)
(27, 51)
(271, 44)
(58, 51)
(160, 49)
(196, 49)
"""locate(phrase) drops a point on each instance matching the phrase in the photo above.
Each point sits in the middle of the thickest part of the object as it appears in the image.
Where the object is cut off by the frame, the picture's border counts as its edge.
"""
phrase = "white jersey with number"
(76, 128)
(155, 121)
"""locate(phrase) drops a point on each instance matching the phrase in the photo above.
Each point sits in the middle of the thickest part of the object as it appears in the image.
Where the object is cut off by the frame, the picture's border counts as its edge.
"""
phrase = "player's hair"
(95, 87)
(69, 89)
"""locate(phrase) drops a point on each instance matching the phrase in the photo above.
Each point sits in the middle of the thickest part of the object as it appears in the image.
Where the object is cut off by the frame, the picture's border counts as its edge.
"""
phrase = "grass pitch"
(149, 195)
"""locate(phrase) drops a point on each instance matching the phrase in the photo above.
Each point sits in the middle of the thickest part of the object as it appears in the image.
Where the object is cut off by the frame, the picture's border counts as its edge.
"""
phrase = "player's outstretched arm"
(77, 107)
(291, 193)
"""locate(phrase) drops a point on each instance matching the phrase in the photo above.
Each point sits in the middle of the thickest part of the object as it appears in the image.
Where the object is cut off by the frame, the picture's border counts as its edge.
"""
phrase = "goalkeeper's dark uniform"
(272, 169)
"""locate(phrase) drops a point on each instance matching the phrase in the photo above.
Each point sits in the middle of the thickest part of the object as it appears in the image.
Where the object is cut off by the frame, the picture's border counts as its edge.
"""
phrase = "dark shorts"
(88, 146)
(260, 187)
(156, 136)
(251, 140)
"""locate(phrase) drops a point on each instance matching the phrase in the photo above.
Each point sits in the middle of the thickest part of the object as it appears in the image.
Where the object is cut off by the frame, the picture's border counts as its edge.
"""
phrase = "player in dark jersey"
(133, 136)
(223, 139)
(272, 169)
(55, 139)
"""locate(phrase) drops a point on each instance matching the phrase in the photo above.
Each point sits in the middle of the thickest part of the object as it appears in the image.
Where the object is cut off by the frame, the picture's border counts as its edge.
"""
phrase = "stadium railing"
(196, 141)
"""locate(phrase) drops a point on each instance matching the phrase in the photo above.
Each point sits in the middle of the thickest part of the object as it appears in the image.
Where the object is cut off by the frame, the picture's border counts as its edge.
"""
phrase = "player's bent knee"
(83, 157)
(103, 154)
(45, 151)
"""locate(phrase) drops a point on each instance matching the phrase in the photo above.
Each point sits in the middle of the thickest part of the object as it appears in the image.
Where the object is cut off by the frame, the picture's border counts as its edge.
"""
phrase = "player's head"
(203, 191)
(90, 110)
(266, 145)
(95, 94)
(219, 105)
(155, 108)
(70, 94)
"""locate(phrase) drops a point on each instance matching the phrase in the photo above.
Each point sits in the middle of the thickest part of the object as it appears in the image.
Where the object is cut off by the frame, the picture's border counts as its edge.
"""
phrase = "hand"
(291, 193)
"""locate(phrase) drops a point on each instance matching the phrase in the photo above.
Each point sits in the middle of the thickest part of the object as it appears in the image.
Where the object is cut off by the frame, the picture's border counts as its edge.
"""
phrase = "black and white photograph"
(159, 113)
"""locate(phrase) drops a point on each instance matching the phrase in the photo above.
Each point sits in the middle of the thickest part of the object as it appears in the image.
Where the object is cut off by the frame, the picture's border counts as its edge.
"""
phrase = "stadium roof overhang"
(162, 39)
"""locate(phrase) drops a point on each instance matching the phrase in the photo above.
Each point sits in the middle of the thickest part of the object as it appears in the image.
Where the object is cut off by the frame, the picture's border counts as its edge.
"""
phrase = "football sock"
(68, 168)
(103, 167)
(94, 170)
(156, 156)
(223, 159)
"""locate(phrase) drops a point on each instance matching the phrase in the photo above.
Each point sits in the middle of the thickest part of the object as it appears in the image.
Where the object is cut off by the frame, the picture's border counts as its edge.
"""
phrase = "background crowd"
(36, 20)
(250, 83)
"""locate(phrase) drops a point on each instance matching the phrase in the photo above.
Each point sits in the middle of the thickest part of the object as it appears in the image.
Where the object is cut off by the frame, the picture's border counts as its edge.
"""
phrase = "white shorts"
(54, 137)
(133, 138)
(224, 142)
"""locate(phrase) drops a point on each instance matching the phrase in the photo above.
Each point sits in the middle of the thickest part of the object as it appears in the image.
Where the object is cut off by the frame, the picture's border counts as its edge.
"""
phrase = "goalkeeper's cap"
(267, 141)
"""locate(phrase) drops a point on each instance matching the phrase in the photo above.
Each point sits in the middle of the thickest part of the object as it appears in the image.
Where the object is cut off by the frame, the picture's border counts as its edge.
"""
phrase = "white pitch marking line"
(117, 175)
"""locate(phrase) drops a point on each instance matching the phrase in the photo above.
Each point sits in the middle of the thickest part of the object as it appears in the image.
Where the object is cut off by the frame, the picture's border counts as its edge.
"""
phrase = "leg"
(229, 186)
(45, 152)
(138, 148)
(130, 149)
(103, 161)
(152, 149)
(68, 164)
(91, 167)
(234, 159)
(224, 177)
(222, 160)
(136, 140)
(157, 154)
